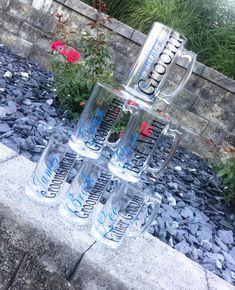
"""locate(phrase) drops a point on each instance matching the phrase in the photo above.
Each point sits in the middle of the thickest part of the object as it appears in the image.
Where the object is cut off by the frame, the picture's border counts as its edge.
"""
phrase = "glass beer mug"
(118, 214)
(49, 176)
(100, 115)
(163, 47)
(85, 191)
(139, 143)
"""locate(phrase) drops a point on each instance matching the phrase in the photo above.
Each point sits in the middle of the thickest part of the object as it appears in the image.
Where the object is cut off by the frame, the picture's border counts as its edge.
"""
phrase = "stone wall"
(205, 108)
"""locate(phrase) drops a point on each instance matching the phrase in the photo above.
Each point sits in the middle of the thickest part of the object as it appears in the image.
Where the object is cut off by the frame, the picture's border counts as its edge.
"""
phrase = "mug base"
(121, 173)
(81, 149)
(32, 195)
(72, 218)
(104, 241)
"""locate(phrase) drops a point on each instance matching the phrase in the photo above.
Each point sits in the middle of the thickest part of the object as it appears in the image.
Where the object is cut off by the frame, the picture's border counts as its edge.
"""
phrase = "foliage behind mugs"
(224, 166)
(77, 66)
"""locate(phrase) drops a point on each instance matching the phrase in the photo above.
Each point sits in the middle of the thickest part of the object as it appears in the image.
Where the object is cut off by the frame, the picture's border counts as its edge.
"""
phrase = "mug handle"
(113, 145)
(175, 135)
(153, 215)
(191, 57)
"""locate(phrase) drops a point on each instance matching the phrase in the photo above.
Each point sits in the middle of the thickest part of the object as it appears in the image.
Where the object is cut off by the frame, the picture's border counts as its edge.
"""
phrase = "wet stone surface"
(192, 219)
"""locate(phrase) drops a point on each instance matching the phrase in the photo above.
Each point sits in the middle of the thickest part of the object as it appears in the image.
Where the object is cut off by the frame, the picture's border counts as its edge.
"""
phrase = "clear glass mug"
(139, 143)
(49, 176)
(163, 47)
(100, 115)
(118, 214)
(85, 191)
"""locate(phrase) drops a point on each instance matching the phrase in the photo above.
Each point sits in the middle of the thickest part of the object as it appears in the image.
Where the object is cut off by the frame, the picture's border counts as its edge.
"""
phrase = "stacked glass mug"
(121, 169)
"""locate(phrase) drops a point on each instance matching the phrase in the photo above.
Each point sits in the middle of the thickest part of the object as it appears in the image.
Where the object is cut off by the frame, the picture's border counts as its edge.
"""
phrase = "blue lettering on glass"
(76, 202)
(95, 122)
(45, 178)
(151, 56)
(145, 85)
(128, 150)
(105, 218)
(80, 130)
(72, 203)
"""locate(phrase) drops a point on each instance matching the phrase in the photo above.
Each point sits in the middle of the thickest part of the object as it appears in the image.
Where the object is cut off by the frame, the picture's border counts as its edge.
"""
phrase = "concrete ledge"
(143, 263)
(6, 153)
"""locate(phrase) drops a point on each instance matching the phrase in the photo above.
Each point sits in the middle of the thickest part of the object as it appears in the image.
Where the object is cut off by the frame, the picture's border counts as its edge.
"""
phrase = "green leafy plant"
(227, 172)
(66, 73)
(74, 80)
(224, 166)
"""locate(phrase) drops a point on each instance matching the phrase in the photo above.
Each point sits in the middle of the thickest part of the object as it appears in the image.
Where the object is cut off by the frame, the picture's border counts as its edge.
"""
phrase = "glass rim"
(156, 23)
(135, 186)
(94, 162)
(112, 90)
(151, 111)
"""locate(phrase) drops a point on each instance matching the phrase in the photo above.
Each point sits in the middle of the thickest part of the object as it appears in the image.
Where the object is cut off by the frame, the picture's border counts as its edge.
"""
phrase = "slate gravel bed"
(193, 218)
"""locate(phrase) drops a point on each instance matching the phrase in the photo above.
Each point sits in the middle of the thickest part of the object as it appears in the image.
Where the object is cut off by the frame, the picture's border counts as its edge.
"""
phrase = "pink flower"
(63, 50)
(145, 129)
(57, 45)
(82, 104)
(73, 56)
(120, 134)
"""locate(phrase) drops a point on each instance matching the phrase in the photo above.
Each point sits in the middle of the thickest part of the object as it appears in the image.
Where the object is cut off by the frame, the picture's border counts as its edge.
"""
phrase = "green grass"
(208, 24)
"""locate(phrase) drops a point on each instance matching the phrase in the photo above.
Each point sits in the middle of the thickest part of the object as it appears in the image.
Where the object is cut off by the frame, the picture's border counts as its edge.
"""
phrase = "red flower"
(57, 45)
(73, 56)
(133, 104)
(145, 129)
